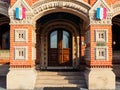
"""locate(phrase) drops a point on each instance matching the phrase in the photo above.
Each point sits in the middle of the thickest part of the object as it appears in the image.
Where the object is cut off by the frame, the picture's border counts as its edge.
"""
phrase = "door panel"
(60, 48)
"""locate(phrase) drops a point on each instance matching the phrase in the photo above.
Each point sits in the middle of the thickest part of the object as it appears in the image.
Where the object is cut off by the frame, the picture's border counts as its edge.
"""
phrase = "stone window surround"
(105, 31)
(25, 52)
(16, 35)
(105, 51)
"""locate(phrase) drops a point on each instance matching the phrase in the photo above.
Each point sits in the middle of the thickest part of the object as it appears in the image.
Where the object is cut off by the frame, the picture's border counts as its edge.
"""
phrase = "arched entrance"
(116, 39)
(116, 44)
(4, 39)
(58, 40)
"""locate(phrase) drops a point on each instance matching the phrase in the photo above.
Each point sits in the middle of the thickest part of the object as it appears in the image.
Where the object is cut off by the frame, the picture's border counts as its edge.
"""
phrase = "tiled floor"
(3, 85)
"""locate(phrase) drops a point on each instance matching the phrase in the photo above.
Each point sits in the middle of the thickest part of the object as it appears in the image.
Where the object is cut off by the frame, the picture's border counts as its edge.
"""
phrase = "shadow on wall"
(63, 88)
(4, 69)
(2, 82)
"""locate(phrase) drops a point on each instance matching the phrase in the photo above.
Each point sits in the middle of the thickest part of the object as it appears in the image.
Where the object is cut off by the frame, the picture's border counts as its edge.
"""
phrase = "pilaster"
(22, 49)
(99, 50)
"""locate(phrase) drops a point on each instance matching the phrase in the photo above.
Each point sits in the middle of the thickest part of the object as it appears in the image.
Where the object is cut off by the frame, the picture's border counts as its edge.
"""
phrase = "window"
(20, 53)
(100, 35)
(21, 35)
(101, 53)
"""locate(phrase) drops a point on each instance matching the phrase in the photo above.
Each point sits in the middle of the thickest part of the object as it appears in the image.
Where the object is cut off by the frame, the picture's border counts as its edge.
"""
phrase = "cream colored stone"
(100, 79)
(21, 79)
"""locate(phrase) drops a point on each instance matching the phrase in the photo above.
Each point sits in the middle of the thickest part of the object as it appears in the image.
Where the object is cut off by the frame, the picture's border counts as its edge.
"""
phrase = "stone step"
(60, 73)
(59, 85)
(60, 81)
(61, 88)
(60, 77)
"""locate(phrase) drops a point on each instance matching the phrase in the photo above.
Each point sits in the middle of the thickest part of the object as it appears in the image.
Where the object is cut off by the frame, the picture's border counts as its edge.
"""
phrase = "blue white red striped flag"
(101, 13)
(20, 13)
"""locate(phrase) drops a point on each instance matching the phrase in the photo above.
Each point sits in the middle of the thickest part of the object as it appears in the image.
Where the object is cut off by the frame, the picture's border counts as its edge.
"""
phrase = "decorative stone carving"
(101, 53)
(32, 13)
(44, 5)
(116, 8)
(101, 35)
(92, 12)
(21, 52)
(21, 35)
(29, 13)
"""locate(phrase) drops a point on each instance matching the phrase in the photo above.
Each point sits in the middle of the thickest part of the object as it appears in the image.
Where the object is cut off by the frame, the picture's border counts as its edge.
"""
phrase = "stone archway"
(116, 44)
(4, 39)
(78, 8)
(43, 31)
(115, 38)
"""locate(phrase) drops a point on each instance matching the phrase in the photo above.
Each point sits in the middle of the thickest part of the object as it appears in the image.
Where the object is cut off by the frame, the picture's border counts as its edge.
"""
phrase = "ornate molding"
(4, 8)
(4, 20)
(39, 8)
(63, 24)
(116, 9)
(27, 20)
(29, 13)
(93, 20)
(46, 5)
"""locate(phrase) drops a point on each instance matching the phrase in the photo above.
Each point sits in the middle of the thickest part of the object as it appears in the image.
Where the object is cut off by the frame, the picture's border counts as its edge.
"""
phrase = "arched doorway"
(116, 39)
(59, 40)
(59, 48)
(116, 44)
(4, 39)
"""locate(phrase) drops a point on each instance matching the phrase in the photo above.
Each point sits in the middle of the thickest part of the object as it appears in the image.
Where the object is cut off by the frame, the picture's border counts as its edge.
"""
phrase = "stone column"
(99, 74)
(22, 74)
(98, 37)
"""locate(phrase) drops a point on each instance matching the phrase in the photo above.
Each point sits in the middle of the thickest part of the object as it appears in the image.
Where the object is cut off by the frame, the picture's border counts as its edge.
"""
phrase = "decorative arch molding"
(79, 8)
(4, 8)
(4, 20)
(116, 9)
(44, 31)
(58, 24)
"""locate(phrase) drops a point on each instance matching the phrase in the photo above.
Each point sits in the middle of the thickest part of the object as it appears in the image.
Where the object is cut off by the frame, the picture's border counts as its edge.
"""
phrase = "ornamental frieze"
(116, 8)
(60, 4)
(27, 20)
(94, 21)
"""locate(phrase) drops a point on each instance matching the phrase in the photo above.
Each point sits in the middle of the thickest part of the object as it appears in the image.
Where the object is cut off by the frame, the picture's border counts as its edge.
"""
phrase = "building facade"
(56, 34)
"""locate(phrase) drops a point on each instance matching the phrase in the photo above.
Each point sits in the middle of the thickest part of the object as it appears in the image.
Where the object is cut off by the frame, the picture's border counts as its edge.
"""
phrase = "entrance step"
(60, 79)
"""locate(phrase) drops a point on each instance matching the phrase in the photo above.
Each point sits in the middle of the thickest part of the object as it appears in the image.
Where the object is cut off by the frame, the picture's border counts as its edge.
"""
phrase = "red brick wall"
(21, 63)
(94, 62)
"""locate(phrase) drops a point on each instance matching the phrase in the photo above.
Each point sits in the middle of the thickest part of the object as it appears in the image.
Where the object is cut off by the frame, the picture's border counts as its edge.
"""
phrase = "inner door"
(60, 48)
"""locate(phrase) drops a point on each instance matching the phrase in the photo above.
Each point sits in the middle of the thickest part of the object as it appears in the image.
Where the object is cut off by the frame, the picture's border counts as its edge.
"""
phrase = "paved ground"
(3, 85)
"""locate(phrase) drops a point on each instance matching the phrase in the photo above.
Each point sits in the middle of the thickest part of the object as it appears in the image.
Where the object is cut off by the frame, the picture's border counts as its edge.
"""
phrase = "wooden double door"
(60, 48)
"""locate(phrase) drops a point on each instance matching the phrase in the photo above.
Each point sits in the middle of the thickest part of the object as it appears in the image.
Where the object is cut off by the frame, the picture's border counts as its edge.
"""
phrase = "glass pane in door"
(66, 38)
(53, 39)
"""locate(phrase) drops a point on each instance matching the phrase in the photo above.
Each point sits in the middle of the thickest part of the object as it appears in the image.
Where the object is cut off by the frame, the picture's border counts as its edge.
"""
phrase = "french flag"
(20, 13)
(101, 13)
